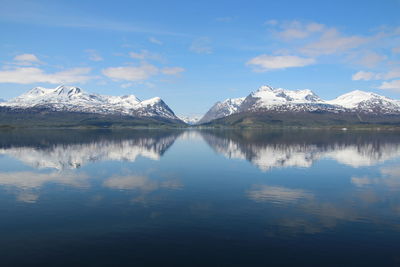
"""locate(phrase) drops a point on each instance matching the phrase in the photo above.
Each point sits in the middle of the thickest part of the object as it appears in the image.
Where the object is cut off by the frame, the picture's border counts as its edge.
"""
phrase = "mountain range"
(269, 105)
(86, 108)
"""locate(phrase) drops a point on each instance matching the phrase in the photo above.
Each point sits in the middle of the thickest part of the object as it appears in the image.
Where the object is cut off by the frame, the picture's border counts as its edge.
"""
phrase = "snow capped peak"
(37, 91)
(74, 99)
(222, 109)
(265, 88)
(358, 99)
(267, 96)
(152, 101)
(190, 119)
(67, 90)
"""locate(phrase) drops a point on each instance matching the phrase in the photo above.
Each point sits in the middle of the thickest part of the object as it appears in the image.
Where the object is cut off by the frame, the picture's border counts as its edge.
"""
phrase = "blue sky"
(194, 53)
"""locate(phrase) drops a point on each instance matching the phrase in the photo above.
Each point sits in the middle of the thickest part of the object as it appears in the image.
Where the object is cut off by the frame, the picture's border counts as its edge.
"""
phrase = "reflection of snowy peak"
(73, 99)
(61, 156)
(280, 155)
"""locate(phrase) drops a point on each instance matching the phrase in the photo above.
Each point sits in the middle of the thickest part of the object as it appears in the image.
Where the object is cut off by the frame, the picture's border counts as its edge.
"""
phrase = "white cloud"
(363, 75)
(396, 50)
(27, 75)
(392, 74)
(130, 182)
(130, 73)
(93, 55)
(298, 30)
(371, 59)
(271, 22)
(331, 42)
(26, 59)
(392, 85)
(277, 194)
(155, 41)
(27, 197)
(138, 182)
(31, 180)
(146, 55)
(126, 85)
(172, 70)
(390, 177)
(201, 46)
(268, 62)
(367, 75)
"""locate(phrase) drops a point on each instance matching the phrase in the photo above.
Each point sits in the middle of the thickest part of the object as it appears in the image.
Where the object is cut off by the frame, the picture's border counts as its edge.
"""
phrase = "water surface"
(174, 197)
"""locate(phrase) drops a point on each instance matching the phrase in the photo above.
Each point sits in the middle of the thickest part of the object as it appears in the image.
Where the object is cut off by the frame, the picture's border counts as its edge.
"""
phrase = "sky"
(195, 53)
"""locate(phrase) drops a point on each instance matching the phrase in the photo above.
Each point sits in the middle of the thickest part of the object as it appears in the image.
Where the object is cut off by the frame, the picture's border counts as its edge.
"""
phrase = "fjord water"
(210, 197)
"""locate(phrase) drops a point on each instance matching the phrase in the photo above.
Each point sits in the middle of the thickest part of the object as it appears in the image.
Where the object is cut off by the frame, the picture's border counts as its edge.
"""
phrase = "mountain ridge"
(78, 105)
(272, 101)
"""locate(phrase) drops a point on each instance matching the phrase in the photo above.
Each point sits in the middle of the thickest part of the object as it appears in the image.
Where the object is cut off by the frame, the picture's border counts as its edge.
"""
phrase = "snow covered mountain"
(222, 109)
(280, 100)
(367, 102)
(191, 119)
(73, 99)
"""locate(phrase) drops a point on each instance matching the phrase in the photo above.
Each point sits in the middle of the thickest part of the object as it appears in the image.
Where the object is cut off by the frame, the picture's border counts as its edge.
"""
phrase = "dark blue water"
(199, 198)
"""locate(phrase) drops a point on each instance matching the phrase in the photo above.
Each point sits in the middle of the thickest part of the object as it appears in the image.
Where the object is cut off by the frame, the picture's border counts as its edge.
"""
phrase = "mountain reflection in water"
(264, 149)
(146, 196)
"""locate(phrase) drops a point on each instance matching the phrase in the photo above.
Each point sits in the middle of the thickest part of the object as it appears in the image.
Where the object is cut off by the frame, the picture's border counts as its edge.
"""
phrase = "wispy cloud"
(155, 41)
(201, 45)
(139, 73)
(392, 85)
(332, 41)
(146, 55)
(270, 62)
(368, 75)
(41, 14)
(26, 59)
(371, 59)
(172, 70)
(297, 30)
(131, 73)
(93, 55)
(277, 194)
(28, 75)
(30, 180)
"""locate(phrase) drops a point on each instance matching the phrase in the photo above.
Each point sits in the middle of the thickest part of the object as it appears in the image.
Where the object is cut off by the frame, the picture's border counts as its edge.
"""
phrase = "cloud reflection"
(277, 194)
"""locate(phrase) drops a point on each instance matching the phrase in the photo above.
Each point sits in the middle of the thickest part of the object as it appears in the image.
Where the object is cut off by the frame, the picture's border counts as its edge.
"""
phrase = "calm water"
(251, 198)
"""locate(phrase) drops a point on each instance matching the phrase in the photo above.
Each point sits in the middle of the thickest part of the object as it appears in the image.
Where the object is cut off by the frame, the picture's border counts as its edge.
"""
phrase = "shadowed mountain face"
(280, 149)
